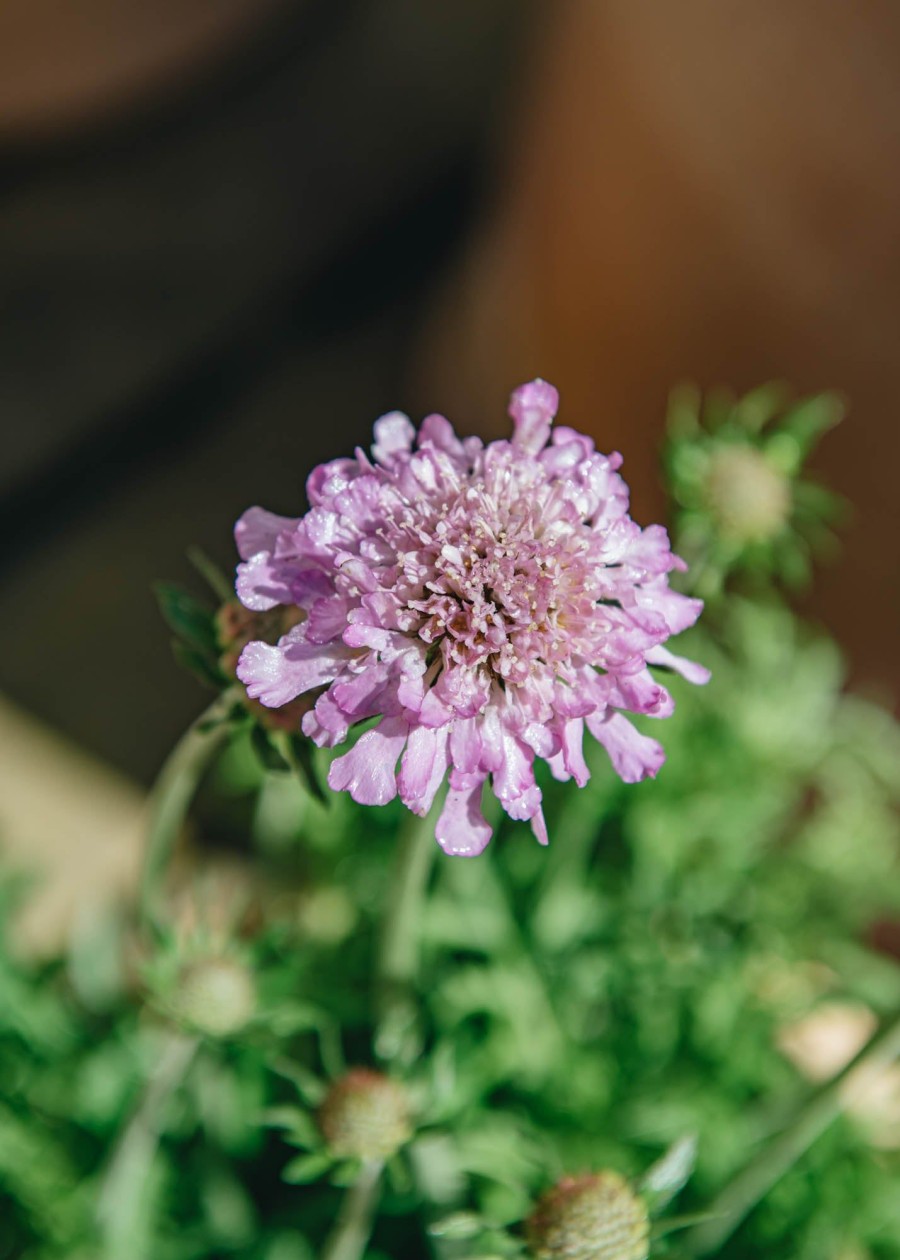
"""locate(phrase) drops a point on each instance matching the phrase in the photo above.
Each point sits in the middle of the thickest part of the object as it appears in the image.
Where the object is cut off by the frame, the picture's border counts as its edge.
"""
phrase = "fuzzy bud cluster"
(365, 1115)
(593, 1216)
(750, 499)
(215, 996)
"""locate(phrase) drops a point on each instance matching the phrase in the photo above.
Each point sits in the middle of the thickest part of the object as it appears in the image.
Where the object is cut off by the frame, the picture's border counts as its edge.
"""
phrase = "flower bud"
(365, 1115)
(236, 626)
(750, 499)
(215, 996)
(594, 1216)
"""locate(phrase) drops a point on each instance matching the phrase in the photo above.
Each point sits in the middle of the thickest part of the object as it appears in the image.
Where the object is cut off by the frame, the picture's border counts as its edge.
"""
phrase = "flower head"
(365, 1115)
(216, 996)
(735, 470)
(595, 1216)
(485, 602)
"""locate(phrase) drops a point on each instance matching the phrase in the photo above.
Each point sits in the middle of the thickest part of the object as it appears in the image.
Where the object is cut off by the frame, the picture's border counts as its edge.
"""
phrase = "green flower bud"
(215, 996)
(750, 500)
(594, 1216)
(365, 1116)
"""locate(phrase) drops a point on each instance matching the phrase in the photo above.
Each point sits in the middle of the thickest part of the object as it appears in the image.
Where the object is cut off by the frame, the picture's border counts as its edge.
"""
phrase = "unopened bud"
(365, 1115)
(750, 499)
(215, 996)
(236, 626)
(594, 1216)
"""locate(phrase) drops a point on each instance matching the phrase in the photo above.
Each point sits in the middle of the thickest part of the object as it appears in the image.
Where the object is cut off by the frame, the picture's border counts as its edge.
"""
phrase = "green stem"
(353, 1226)
(171, 797)
(739, 1198)
(396, 1038)
(398, 953)
(124, 1184)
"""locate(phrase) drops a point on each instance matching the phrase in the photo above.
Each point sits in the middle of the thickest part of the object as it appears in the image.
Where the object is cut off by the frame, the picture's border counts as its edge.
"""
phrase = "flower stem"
(398, 953)
(172, 794)
(124, 1183)
(739, 1198)
(353, 1226)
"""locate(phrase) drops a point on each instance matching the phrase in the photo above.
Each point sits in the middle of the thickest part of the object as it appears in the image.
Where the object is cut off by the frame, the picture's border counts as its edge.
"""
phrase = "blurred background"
(233, 234)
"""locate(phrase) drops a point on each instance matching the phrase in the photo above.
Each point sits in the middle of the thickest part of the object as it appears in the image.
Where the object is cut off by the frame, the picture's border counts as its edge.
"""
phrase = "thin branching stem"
(749, 1187)
(353, 1226)
(171, 796)
(125, 1181)
(397, 960)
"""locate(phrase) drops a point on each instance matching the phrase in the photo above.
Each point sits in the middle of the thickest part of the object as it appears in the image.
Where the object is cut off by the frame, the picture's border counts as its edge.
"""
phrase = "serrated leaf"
(671, 1173)
(307, 1168)
(672, 1223)
(290, 1018)
(346, 1174)
(299, 1126)
(812, 418)
(188, 618)
(211, 573)
(760, 406)
(458, 1225)
(683, 412)
(307, 1084)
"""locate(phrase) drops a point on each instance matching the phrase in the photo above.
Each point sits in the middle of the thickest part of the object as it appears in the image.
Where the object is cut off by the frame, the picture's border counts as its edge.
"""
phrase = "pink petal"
(461, 829)
(360, 694)
(327, 619)
(367, 770)
(476, 744)
(326, 724)
(639, 693)
(263, 583)
(634, 756)
(532, 408)
(423, 768)
(394, 434)
(328, 480)
(679, 611)
(539, 826)
(513, 782)
(572, 735)
(257, 530)
(277, 675)
(437, 431)
(690, 670)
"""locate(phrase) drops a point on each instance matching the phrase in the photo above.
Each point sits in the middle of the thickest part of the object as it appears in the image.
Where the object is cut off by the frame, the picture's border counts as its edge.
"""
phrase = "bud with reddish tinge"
(237, 626)
(365, 1115)
(593, 1216)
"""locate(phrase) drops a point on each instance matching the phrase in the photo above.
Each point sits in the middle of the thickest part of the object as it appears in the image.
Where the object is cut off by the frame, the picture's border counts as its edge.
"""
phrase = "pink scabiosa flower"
(485, 602)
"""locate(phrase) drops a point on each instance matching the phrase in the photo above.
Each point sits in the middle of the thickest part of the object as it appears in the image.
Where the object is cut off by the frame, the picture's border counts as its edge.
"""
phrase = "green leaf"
(663, 1180)
(267, 754)
(290, 1018)
(760, 406)
(190, 620)
(346, 1173)
(199, 664)
(811, 418)
(300, 755)
(306, 1168)
(299, 1126)
(683, 413)
(211, 574)
(457, 1226)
